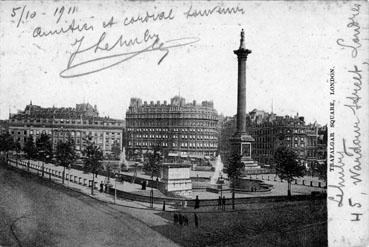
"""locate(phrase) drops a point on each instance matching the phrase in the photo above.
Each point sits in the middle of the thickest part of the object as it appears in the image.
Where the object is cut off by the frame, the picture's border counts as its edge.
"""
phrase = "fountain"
(218, 170)
(122, 160)
(244, 185)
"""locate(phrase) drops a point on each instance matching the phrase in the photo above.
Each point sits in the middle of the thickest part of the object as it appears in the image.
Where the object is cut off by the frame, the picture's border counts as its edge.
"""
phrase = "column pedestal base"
(241, 145)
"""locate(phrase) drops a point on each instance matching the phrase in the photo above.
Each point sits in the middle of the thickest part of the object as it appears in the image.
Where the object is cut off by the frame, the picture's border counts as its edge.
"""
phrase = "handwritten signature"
(104, 62)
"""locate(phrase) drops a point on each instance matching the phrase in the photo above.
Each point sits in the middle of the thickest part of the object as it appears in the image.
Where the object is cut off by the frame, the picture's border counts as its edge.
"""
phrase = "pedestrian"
(175, 220)
(106, 187)
(197, 202)
(180, 219)
(196, 220)
(219, 202)
(223, 203)
(233, 200)
(163, 205)
(101, 186)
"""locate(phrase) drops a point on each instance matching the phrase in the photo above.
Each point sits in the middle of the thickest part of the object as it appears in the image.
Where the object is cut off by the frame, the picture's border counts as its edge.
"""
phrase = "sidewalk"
(75, 179)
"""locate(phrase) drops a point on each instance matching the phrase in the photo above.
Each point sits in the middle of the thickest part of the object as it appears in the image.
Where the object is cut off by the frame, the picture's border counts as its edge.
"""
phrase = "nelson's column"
(241, 141)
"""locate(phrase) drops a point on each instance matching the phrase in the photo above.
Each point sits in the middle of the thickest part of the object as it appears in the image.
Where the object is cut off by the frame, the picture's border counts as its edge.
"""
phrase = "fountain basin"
(243, 185)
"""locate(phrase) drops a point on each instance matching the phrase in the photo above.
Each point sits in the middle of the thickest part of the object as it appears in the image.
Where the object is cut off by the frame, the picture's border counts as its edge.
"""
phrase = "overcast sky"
(289, 65)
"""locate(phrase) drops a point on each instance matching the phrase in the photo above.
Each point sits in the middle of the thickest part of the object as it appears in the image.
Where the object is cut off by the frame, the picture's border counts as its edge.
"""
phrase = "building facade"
(271, 131)
(4, 128)
(180, 128)
(81, 123)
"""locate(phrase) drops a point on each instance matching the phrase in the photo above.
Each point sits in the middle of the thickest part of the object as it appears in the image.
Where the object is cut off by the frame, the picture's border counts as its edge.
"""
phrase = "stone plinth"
(176, 179)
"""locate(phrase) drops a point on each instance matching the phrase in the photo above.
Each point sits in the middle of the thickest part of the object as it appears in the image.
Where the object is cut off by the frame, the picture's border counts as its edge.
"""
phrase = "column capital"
(242, 53)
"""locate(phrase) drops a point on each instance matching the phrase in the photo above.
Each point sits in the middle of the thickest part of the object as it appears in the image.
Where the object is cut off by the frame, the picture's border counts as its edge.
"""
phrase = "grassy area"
(273, 224)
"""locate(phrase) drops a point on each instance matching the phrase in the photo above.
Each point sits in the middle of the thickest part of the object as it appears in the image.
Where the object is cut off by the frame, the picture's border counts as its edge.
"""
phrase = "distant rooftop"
(83, 110)
(175, 101)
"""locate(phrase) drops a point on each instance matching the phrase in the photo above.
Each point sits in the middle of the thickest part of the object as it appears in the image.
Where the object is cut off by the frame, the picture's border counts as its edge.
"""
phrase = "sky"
(287, 71)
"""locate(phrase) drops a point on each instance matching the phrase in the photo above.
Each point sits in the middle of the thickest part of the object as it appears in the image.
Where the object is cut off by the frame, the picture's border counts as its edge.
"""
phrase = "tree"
(65, 154)
(18, 149)
(44, 148)
(116, 150)
(29, 147)
(321, 170)
(6, 143)
(234, 168)
(92, 161)
(152, 162)
(288, 165)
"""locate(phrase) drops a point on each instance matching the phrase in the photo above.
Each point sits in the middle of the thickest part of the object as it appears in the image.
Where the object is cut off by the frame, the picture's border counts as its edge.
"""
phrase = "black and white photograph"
(184, 123)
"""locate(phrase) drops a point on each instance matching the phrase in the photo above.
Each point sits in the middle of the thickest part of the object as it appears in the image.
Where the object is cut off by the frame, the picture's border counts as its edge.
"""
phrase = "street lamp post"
(115, 189)
(221, 180)
(152, 190)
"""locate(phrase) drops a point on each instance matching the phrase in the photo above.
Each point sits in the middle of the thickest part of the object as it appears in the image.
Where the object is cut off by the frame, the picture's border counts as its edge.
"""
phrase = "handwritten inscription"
(354, 106)
(355, 41)
(24, 14)
(72, 27)
(149, 17)
(88, 57)
(191, 12)
(349, 159)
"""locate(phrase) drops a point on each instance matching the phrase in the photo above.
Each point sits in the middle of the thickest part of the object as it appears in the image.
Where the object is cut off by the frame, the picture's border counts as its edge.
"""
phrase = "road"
(34, 212)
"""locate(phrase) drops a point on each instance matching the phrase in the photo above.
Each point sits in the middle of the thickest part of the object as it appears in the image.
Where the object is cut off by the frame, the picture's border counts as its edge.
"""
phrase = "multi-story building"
(322, 143)
(180, 128)
(3, 127)
(81, 123)
(271, 131)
